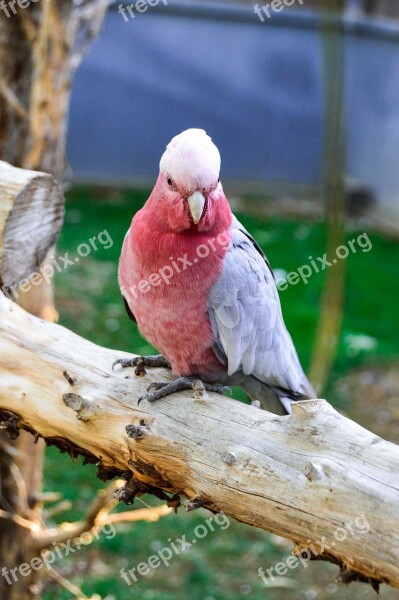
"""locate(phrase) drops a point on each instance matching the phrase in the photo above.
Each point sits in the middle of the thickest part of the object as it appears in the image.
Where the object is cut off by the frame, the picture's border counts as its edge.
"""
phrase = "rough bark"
(300, 477)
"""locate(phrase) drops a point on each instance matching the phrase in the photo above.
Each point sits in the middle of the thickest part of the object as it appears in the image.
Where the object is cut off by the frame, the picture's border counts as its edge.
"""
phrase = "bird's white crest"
(192, 160)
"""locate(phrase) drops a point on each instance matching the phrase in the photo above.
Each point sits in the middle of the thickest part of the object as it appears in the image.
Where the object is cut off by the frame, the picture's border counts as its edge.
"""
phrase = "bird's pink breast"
(166, 279)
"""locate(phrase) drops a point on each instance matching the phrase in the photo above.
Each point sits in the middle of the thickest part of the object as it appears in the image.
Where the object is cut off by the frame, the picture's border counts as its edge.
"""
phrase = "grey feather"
(247, 322)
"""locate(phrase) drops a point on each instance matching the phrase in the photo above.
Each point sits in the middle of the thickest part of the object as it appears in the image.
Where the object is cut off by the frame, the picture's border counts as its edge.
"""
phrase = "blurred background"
(304, 107)
(256, 87)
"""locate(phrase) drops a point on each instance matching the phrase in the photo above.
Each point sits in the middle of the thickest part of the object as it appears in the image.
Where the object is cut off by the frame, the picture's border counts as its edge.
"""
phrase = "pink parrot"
(201, 290)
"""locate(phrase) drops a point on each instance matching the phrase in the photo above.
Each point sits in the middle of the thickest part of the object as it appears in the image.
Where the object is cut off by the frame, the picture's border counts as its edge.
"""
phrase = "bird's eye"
(170, 183)
(219, 180)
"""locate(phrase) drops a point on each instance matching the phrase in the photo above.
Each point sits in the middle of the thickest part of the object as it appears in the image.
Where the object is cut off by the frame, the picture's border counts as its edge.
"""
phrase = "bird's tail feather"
(274, 398)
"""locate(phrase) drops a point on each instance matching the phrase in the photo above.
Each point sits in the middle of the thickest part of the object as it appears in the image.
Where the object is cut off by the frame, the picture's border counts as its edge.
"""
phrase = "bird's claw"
(155, 386)
(140, 362)
(123, 362)
(157, 390)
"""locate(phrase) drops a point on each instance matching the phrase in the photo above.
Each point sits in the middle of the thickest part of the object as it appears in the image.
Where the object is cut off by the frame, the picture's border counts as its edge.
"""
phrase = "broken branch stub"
(31, 216)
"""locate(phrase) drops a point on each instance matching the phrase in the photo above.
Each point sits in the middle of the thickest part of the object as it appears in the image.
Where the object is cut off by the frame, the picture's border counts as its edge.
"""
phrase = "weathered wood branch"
(301, 477)
(13, 101)
(31, 215)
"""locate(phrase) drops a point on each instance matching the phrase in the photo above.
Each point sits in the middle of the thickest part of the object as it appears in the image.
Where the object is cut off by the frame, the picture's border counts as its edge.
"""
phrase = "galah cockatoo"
(201, 290)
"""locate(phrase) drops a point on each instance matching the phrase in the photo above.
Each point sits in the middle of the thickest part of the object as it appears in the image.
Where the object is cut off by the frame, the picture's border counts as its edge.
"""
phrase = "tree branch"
(67, 585)
(97, 516)
(13, 101)
(28, 26)
(69, 531)
(301, 477)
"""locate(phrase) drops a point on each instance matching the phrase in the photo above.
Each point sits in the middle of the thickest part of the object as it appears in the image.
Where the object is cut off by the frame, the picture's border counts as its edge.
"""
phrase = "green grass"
(225, 563)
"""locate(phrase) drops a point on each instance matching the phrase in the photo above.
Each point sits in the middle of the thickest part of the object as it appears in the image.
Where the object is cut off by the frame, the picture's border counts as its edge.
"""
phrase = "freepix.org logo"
(174, 547)
(273, 7)
(58, 551)
(138, 7)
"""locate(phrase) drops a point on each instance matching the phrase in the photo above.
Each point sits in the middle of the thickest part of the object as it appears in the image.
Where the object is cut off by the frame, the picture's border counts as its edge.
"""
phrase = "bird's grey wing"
(245, 313)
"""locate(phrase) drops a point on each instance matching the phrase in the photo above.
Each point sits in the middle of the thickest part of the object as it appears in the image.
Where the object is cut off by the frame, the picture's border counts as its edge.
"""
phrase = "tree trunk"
(40, 48)
(331, 306)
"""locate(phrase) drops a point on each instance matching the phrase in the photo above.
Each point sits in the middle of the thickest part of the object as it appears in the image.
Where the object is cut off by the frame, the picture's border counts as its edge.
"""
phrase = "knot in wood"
(313, 471)
(230, 458)
(136, 432)
(85, 408)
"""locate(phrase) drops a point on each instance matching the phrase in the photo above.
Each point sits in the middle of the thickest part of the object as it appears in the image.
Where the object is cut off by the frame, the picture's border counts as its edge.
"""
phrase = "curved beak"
(196, 203)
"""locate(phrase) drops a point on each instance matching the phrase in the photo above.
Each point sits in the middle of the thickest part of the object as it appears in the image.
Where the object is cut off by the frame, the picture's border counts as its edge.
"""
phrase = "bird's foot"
(140, 362)
(160, 390)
